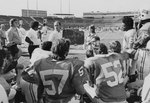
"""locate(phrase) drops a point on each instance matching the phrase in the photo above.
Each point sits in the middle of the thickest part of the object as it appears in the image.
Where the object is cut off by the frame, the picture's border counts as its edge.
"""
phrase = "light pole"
(69, 6)
(60, 7)
(37, 8)
(27, 8)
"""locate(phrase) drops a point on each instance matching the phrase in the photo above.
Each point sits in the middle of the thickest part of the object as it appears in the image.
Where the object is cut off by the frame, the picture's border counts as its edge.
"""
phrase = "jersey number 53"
(108, 74)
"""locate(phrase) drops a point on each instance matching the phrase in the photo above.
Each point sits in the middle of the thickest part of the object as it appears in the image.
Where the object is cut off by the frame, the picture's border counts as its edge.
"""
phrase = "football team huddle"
(108, 74)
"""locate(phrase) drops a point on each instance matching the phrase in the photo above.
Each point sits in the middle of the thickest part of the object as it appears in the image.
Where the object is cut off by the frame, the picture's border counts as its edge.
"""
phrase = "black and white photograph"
(75, 51)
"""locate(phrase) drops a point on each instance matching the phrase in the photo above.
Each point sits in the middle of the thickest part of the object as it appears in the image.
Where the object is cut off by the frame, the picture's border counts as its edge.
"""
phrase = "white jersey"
(3, 97)
(38, 53)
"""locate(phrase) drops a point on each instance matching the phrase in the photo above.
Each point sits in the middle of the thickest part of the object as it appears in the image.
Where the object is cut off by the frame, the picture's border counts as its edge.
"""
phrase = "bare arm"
(10, 36)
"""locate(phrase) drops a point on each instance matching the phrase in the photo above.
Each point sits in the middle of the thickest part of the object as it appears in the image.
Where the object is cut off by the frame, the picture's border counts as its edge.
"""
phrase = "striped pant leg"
(29, 90)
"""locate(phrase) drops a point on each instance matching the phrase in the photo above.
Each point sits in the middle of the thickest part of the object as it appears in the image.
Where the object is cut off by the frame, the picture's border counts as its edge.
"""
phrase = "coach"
(32, 37)
(13, 34)
(57, 33)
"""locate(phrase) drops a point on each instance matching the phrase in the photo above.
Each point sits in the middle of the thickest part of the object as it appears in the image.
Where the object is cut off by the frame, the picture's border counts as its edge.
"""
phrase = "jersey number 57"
(46, 77)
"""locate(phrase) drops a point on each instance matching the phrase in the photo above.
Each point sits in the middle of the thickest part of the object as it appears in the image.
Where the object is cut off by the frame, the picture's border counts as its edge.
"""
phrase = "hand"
(16, 87)
(124, 73)
(134, 85)
(131, 40)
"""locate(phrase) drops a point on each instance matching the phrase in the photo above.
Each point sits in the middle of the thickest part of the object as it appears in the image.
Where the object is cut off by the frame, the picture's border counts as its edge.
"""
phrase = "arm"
(10, 36)
(79, 79)
(91, 72)
(31, 75)
(136, 84)
(27, 39)
(131, 42)
(1, 34)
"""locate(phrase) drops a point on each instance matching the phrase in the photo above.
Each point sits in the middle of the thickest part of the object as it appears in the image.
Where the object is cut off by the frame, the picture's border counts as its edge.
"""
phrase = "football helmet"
(145, 12)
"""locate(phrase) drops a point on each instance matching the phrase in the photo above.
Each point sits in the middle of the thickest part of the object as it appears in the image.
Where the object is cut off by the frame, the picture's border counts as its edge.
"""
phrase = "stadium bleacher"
(66, 22)
(5, 20)
(50, 21)
(69, 20)
(59, 19)
(78, 20)
(88, 20)
(25, 22)
(98, 21)
(27, 19)
(39, 19)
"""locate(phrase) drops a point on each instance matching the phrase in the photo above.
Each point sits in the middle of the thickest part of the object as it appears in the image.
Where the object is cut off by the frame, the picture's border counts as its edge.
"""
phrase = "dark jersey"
(57, 80)
(106, 73)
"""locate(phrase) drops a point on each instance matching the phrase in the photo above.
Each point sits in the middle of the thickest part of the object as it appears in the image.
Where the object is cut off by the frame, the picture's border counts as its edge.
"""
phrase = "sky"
(77, 7)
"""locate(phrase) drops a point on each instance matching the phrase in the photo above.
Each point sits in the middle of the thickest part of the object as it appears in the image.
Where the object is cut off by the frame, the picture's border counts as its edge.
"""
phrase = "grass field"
(77, 51)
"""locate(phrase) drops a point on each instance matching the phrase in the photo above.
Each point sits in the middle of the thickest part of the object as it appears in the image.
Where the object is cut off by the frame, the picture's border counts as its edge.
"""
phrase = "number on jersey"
(63, 74)
(108, 74)
(81, 72)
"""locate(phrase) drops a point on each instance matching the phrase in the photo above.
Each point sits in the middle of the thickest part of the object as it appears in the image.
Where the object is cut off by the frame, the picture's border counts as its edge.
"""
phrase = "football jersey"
(3, 97)
(142, 63)
(106, 72)
(146, 90)
(38, 53)
(4, 83)
(58, 78)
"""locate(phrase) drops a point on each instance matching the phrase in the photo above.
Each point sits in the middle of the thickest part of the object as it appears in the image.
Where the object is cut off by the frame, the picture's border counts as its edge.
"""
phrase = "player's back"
(108, 76)
(58, 78)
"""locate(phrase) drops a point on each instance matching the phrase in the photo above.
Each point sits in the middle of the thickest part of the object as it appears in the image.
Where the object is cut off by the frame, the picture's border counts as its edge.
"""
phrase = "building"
(63, 15)
(34, 13)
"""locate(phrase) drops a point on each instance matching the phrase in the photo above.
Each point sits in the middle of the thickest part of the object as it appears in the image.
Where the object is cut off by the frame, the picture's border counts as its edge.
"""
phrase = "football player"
(143, 35)
(106, 74)
(89, 53)
(142, 62)
(30, 89)
(13, 54)
(5, 88)
(40, 53)
(95, 41)
(58, 78)
(88, 39)
(130, 32)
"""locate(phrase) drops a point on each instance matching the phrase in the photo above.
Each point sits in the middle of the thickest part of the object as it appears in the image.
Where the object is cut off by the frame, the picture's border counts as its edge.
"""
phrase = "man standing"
(2, 34)
(57, 33)
(44, 31)
(89, 38)
(22, 32)
(32, 37)
(13, 34)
